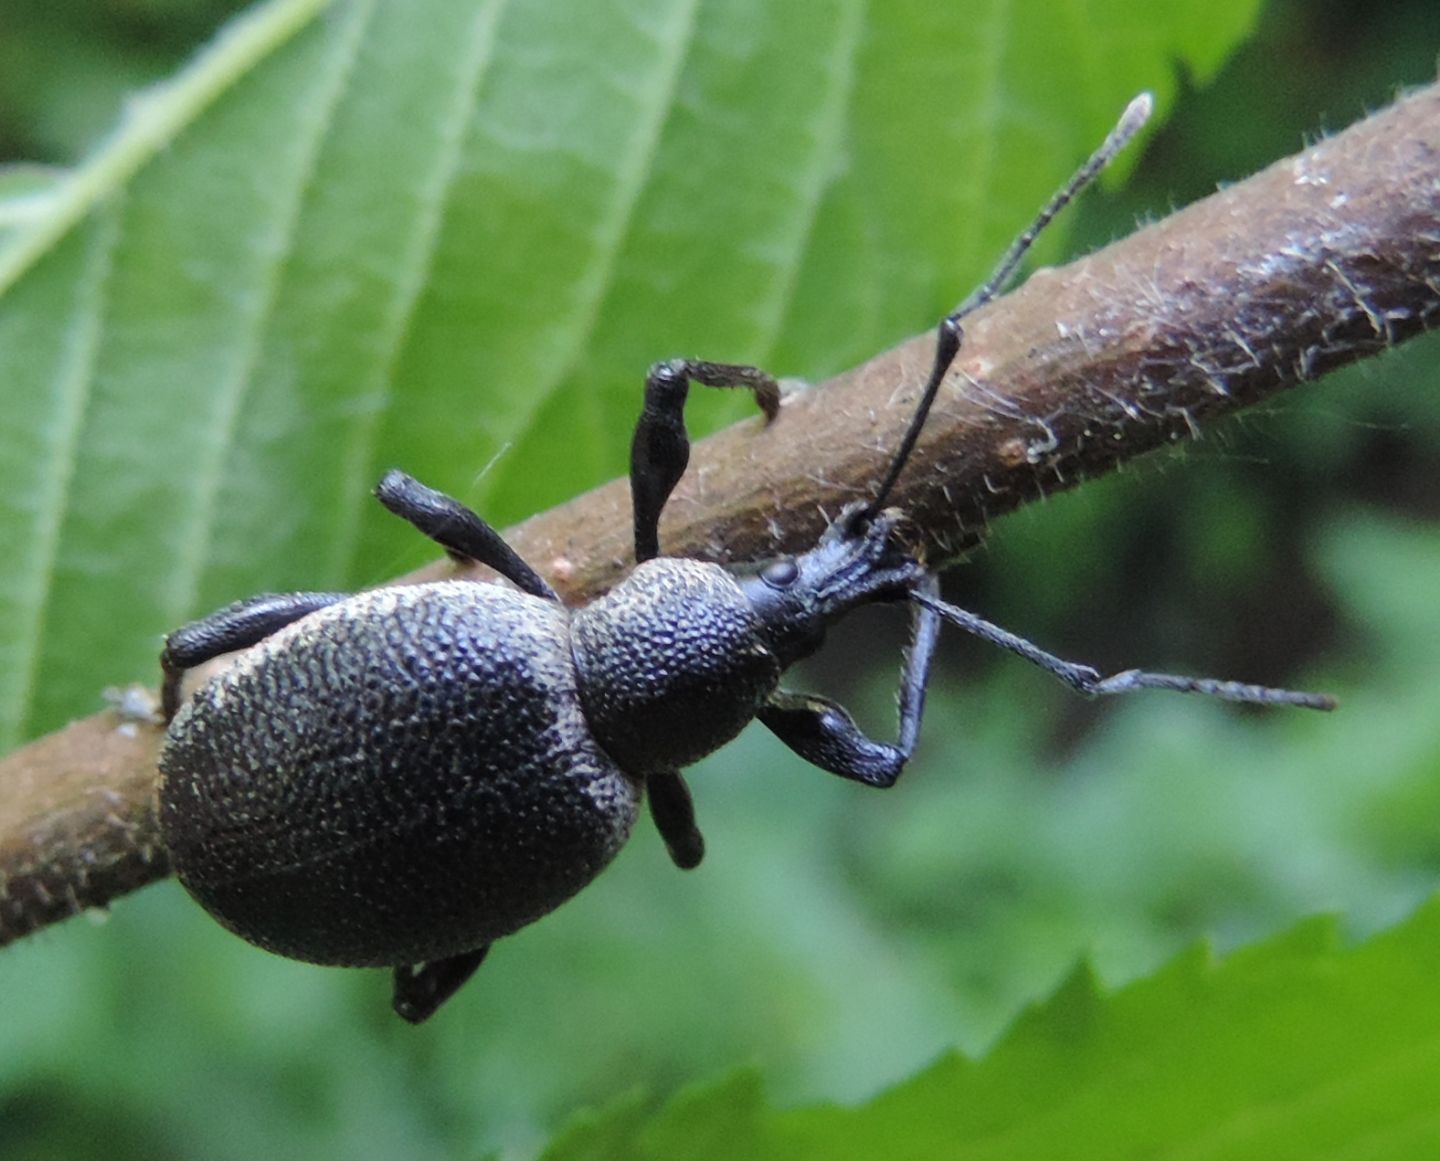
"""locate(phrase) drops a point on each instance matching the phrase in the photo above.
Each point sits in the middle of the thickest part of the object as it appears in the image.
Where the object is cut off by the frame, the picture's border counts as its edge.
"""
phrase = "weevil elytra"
(400, 777)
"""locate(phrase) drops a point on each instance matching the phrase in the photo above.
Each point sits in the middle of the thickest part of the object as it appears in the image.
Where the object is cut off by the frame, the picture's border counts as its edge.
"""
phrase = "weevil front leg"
(420, 990)
(1089, 681)
(237, 626)
(825, 735)
(661, 447)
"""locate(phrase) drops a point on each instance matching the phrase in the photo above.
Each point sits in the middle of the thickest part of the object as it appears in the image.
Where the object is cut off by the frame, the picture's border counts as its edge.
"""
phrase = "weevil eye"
(780, 574)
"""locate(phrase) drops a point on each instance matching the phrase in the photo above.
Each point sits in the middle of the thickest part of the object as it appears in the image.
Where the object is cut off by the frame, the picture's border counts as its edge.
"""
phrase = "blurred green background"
(839, 938)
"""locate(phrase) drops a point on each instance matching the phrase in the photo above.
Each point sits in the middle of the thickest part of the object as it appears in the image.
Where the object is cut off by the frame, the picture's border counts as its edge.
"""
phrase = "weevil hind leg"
(237, 626)
(421, 989)
(458, 530)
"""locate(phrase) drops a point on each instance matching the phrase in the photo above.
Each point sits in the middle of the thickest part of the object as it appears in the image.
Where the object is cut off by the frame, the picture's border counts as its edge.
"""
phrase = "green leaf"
(601, 1135)
(452, 236)
(1294, 1048)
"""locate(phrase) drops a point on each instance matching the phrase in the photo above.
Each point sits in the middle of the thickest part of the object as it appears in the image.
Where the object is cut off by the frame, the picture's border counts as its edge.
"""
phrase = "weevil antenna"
(1137, 112)
(1132, 120)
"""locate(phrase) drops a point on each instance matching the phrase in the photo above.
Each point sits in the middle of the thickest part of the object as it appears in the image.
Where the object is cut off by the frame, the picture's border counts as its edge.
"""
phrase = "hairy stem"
(1327, 257)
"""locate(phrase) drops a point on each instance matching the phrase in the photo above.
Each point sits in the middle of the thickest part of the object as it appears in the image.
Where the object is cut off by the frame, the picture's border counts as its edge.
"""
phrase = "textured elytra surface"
(400, 777)
(672, 664)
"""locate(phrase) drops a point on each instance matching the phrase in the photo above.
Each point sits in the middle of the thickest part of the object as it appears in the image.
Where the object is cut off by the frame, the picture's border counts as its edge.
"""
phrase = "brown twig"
(1325, 258)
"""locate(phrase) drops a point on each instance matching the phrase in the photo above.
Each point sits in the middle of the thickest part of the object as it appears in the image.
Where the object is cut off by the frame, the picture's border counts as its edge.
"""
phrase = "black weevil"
(400, 777)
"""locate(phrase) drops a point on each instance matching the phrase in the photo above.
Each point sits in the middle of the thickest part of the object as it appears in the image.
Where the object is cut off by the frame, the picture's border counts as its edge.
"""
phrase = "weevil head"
(858, 561)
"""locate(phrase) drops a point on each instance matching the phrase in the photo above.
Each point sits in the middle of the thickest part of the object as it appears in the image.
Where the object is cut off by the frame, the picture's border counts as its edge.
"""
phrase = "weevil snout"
(858, 560)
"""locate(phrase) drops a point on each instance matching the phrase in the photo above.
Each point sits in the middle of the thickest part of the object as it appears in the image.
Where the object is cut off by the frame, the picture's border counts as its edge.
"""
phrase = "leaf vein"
(195, 546)
(419, 258)
(831, 122)
(154, 120)
(72, 391)
(614, 227)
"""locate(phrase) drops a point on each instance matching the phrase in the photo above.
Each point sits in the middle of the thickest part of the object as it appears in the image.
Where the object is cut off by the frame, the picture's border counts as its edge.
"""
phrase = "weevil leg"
(458, 530)
(661, 447)
(236, 626)
(673, 811)
(419, 991)
(825, 735)
(1089, 681)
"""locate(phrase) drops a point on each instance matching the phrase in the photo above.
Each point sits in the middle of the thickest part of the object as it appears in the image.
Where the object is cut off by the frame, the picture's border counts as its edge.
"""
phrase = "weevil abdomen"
(403, 776)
